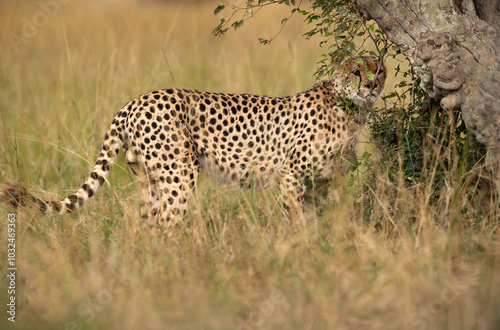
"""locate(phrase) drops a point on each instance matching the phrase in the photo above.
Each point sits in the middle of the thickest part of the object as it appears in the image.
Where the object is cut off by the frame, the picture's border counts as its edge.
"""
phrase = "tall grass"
(381, 257)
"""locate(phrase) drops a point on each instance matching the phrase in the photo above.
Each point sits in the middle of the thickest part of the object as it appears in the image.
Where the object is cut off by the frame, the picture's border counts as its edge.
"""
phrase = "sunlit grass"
(385, 257)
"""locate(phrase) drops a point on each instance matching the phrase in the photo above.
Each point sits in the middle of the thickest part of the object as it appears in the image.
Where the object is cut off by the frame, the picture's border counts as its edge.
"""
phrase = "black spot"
(41, 205)
(73, 199)
(69, 207)
(100, 178)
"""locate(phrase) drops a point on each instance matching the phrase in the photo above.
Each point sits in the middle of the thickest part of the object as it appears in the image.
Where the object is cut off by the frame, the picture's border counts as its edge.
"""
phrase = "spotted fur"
(168, 134)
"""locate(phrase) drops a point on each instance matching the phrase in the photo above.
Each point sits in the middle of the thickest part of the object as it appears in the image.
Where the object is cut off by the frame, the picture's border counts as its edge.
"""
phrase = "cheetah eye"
(357, 73)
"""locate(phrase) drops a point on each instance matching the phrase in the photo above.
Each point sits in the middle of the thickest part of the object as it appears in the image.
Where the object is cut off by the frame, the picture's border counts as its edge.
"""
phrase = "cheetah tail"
(19, 196)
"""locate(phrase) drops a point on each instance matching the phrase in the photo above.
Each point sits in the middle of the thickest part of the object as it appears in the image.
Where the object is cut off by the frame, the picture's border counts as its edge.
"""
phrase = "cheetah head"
(358, 81)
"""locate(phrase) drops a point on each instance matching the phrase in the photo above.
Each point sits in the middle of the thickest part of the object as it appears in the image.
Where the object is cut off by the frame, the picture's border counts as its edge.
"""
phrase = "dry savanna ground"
(389, 257)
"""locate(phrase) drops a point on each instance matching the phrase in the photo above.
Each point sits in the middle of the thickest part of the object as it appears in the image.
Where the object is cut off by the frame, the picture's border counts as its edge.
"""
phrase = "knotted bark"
(454, 46)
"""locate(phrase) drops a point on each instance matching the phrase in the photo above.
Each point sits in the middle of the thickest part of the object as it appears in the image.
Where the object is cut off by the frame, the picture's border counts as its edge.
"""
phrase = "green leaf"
(219, 9)
(237, 24)
(264, 41)
(402, 84)
(370, 75)
(371, 28)
(390, 96)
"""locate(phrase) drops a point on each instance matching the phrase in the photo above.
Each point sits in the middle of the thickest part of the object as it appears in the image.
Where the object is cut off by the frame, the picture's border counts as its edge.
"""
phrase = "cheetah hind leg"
(292, 196)
(175, 191)
(171, 185)
(140, 174)
(151, 194)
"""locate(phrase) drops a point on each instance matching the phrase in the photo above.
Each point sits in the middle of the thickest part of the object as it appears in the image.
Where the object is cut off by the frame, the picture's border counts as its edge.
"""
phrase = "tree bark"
(454, 46)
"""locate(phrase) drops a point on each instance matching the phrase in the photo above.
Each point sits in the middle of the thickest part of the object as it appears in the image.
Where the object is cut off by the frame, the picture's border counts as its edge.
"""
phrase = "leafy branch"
(247, 12)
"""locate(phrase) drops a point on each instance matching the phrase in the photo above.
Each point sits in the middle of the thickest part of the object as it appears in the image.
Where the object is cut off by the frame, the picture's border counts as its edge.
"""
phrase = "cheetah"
(168, 135)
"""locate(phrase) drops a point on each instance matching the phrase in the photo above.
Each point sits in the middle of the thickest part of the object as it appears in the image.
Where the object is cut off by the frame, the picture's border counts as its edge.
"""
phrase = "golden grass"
(392, 260)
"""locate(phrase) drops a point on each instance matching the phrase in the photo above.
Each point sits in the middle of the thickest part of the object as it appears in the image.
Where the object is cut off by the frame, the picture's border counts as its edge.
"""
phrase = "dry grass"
(408, 262)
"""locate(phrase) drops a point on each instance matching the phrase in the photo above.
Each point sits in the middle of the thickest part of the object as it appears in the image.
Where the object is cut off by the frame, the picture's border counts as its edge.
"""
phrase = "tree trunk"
(454, 46)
